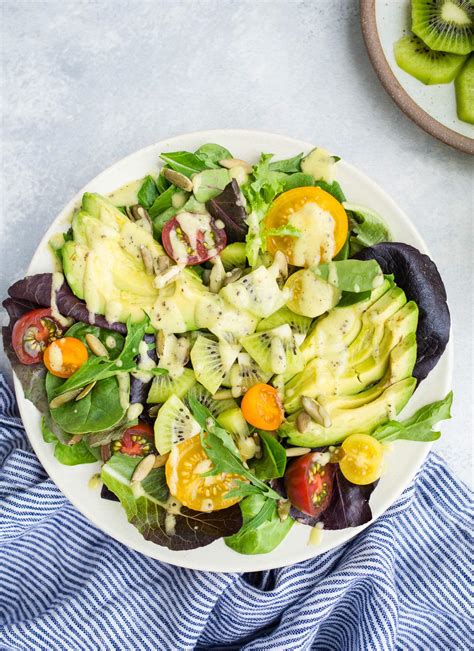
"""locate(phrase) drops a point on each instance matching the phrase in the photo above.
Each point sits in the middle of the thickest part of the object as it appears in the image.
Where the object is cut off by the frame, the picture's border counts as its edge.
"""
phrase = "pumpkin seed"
(178, 179)
(302, 421)
(160, 339)
(167, 277)
(229, 163)
(129, 213)
(147, 260)
(144, 468)
(141, 215)
(297, 452)
(77, 438)
(96, 345)
(232, 276)
(64, 398)
(86, 390)
(283, 509)
(153, 411)
(316, 411)
(162, 263)
(160, 460)
(95, 481)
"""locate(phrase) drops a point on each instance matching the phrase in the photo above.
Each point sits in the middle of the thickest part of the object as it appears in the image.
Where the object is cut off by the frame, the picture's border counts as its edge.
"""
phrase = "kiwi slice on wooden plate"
(445, 25)
(428, 66)
(173, 425)
(464, 85)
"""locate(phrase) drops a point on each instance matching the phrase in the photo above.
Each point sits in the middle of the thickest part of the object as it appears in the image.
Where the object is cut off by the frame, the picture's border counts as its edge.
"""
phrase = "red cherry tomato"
(193, 248)
(309, 485)
(137, 441)
(33, 333)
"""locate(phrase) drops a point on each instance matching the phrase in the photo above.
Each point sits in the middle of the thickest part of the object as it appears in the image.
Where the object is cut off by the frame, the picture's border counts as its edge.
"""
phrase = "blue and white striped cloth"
(402, 584)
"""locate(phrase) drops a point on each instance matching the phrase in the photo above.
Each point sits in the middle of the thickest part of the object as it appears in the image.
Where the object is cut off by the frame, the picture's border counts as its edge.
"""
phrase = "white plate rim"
(185, 559)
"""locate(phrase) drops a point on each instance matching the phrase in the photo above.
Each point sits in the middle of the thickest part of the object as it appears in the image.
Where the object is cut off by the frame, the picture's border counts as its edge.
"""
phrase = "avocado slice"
(363, 362)
(362, 419)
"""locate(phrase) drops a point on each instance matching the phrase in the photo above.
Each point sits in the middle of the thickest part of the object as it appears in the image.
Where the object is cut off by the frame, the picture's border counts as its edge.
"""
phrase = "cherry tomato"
(64, 356)
(202, 241)
(261, 407)
(309, 485)
(137, 441)
(287, 209)
(184, 468)
(362, 459)
(32, 333)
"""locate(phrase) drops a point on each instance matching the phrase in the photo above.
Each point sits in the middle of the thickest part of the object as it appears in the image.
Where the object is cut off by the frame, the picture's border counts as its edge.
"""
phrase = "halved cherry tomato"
(362, 459)
(137, 441)
(184, 469)
(309, 485)
(286, 209)
(64, 356)
(32, 333)
(193, 244)
(261, 407)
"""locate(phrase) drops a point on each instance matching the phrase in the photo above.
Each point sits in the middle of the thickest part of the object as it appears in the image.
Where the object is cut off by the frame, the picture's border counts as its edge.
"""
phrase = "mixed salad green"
(233, 343)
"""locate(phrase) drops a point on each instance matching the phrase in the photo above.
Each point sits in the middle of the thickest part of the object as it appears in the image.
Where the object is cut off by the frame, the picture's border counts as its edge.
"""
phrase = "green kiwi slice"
(444, 25)
(299, 324)
(234, 255)
(164, 386)
(275, 351)
(173, 425)
(216, 407)
(464, 85)
(211, 360)
(245, 373)
(428, 66)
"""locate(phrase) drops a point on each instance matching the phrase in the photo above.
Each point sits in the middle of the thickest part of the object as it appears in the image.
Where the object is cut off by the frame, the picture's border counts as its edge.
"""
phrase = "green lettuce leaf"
(351, 275)
(289, 165)
(211, 154)
(273, 462)
(148, 192)
(69, 455)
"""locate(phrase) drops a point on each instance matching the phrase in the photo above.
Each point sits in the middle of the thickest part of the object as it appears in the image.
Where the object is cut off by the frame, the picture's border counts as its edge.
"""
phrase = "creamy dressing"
(134, 411)
(126, 195)
(110, 342)
(124, 389)
(194, 223)
(207, 505)
(317, 244)
(56, 283)
(55, 358)
(145, 363)
(179, 248)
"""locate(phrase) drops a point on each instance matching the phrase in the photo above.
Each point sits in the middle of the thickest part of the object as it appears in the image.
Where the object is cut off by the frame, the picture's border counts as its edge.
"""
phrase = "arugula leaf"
(351, 275)
(222, 451)
(289, 165)
(420, 426)
(184, 162)
(211, 154)
(273, 461)
(147, 193)
(262, 530)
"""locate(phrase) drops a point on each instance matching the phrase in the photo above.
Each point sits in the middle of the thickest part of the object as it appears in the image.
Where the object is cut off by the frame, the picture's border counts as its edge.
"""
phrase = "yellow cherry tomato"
(302, 208)
(184, 468)
(64, 356)
(362, 459)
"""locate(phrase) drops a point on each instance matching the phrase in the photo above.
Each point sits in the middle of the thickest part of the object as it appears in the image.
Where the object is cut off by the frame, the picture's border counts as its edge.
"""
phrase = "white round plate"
(432, 107)
(406, 457)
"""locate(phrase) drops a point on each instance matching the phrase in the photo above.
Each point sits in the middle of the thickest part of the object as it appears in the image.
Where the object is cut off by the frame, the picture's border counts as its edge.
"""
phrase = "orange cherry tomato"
(286, 209)
(185, 466)
(261, 407)
(64, 356)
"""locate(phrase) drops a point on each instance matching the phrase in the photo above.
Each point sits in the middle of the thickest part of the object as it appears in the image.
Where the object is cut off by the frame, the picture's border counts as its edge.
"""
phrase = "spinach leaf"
(209, 183)
(273, 461)
(160, 221)
(148, 192)
(351, 275)
(222, 451)
(211, 154)
(333, 188)
(162, 183)
(420, 426)
(113, 341)
(147, 508)
(350, 298)
(298, 180)
(262, 530)
(69, 455)
(162, 202)
(366, 226)
(344, 252)
(184, 162)
(289, 165)
(100, 409)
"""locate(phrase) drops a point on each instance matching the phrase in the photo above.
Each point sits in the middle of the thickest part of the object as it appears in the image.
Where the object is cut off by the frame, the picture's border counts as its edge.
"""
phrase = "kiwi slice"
(299, 324)
(165, 386)
(173, 425)
(245, 373)
(234, 255)
(211, 360)
(464, 85)
(428, 66)
(216, 407)
(234, 422)
(446, 25)
(275, 351)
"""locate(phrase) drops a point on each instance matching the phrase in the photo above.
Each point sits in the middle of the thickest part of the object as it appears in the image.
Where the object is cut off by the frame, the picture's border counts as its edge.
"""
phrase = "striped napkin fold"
(65, 586)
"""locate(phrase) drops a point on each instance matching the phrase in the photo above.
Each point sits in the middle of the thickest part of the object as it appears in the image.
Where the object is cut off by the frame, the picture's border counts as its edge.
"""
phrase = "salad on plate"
(233, 342)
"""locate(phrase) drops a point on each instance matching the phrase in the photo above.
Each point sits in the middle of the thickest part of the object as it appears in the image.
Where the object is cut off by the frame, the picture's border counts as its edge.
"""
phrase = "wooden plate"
(382, 24)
